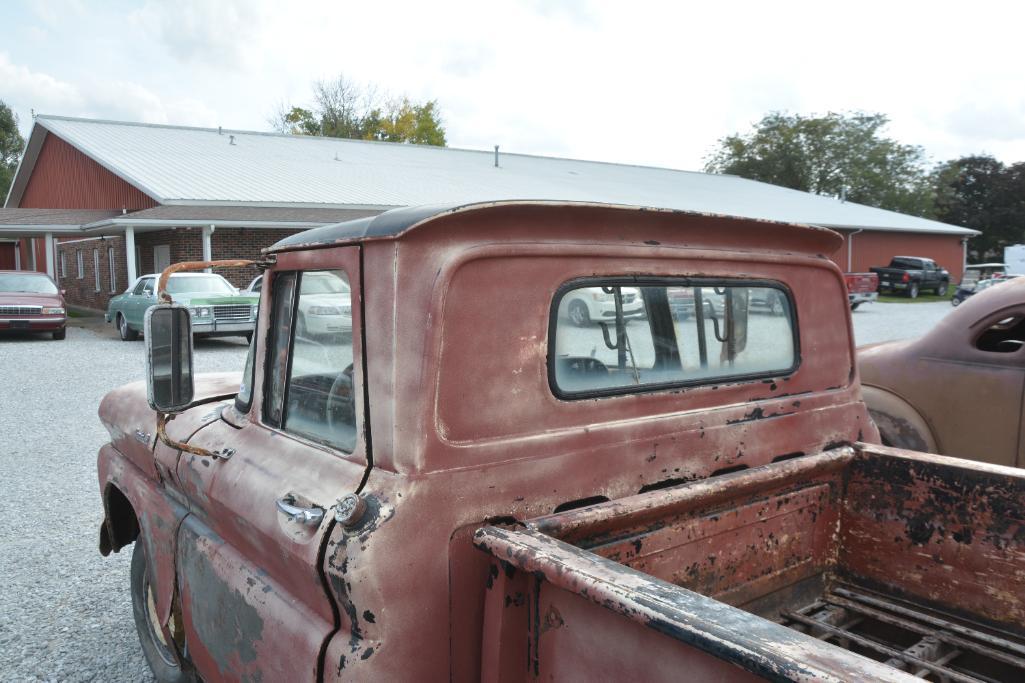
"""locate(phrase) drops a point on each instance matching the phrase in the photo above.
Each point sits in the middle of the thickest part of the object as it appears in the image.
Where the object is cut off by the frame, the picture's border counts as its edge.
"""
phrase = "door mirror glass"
(168, 331)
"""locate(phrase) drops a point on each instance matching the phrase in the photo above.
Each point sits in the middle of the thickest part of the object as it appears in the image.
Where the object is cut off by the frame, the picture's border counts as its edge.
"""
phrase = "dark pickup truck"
(912, 274)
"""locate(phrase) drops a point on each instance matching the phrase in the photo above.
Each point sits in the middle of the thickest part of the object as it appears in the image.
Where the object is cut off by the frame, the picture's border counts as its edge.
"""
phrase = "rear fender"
(900, 425)
(136, 506)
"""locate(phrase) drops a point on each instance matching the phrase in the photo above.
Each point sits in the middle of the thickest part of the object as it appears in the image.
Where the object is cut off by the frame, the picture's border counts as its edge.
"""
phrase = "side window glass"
(277, 346)
(611, 339)
(320, 404)
(140, 287)
(147, 287)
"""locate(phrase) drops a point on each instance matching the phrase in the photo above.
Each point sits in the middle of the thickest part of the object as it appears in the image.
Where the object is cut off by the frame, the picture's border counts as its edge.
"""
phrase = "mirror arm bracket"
(165, 298)
(164, 418)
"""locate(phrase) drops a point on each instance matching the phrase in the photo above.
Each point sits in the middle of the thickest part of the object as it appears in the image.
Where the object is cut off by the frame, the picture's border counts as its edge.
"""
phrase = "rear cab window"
(617, 335)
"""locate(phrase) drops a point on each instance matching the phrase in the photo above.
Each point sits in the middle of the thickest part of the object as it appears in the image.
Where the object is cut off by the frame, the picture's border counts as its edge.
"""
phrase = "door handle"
(311, 515)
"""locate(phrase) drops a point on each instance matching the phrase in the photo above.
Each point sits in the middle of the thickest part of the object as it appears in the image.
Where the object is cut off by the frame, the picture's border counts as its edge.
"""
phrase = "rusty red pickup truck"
(476, 484)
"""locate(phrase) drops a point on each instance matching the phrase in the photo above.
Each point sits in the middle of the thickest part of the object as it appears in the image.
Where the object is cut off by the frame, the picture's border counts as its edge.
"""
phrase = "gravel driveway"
(880, 322)
(65, 611)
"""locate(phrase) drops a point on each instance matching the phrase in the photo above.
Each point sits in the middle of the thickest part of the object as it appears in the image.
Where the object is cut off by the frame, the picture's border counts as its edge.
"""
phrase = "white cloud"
(639, 82)
(26, 91)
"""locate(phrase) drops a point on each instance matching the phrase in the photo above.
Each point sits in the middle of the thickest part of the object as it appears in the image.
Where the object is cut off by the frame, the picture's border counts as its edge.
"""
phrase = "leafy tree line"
(11, 147)
(848, 156)
(343, 108)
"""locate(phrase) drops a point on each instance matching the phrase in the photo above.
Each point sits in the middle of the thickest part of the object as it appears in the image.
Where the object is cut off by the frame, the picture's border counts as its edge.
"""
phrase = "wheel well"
(121, 526)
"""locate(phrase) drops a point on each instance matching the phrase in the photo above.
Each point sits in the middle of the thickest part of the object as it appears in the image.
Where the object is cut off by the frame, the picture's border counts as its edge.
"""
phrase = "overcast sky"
(635, 82)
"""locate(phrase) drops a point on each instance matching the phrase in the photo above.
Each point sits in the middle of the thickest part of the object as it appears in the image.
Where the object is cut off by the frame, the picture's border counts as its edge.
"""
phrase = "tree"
(345, 109)
(982, 193)
(840, 155)
(11, 147)
(407, 122)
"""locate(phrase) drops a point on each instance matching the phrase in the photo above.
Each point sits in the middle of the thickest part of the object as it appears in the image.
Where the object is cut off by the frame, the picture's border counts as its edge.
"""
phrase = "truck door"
(253, 600)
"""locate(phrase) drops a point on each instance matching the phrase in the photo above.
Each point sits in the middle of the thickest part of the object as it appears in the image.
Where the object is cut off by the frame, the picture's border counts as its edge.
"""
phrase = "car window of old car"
(314, 395)
(1004, 336)
(140, 287)
(667, 334)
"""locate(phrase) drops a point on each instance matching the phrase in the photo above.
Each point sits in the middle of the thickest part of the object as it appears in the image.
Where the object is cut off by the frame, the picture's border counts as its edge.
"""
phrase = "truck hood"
(132, 424)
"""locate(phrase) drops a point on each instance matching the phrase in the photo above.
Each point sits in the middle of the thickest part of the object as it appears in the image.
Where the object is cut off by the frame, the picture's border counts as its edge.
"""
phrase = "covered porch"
(94, 255)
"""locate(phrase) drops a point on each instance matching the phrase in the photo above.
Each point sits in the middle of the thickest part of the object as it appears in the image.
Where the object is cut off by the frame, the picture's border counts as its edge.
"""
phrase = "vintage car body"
(31, 302)
(223, 313)
(424, 547)
(958, 389)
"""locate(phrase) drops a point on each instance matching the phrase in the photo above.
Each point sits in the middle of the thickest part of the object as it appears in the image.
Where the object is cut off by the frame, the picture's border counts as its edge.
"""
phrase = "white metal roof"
(179, 165)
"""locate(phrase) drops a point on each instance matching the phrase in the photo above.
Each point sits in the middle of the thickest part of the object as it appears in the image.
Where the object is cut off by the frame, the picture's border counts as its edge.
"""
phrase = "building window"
(64, 265)
(113, 269)
(81, 265)
(96, 268)
(138, 261)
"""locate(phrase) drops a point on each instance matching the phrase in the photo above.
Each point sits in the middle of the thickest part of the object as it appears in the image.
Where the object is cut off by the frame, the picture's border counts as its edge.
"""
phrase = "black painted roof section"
(388, 224)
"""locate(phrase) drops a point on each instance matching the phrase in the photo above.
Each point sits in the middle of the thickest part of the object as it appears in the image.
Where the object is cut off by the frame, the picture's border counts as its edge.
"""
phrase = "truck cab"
(388, 502)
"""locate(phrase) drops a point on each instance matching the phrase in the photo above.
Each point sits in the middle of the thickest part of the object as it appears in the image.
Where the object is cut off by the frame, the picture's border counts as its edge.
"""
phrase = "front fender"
(900, 425)
(156, 514)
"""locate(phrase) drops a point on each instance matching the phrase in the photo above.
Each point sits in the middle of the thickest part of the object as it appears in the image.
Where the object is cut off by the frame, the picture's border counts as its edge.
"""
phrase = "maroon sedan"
(31, 302)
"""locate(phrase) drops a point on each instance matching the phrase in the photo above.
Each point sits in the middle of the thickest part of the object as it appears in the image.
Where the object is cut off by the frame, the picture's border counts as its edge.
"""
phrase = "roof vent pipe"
(231, 139)
(496, 156)
(219, 131)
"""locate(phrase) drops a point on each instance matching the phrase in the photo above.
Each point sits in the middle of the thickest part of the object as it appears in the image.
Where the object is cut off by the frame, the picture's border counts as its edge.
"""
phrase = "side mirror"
(64, 292)
(168, 331)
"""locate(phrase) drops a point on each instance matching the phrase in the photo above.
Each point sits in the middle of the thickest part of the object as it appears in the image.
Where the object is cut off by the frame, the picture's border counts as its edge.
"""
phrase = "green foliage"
(299, 121)
(345, 109)
(407, 122)
(840, 155)
(11, 147)
(982, 193)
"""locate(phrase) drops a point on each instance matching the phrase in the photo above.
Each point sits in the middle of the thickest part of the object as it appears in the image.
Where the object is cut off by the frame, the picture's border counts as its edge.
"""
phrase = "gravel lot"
(65, 611)
(878, 322)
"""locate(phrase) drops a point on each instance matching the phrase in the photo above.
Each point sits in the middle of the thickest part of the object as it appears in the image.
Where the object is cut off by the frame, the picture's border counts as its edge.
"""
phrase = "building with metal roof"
(172, 193)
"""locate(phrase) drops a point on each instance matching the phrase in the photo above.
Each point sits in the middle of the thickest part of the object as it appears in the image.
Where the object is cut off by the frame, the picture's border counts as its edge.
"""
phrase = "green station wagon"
(217, 308)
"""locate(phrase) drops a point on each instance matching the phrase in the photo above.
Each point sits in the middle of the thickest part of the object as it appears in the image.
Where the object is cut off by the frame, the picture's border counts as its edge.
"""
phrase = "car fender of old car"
(899, 424)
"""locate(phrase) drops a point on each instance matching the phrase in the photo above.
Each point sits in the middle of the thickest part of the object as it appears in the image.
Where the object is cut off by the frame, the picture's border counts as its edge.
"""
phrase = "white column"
(208, 231)
(17, 254)
(133, 267)
(50, 270)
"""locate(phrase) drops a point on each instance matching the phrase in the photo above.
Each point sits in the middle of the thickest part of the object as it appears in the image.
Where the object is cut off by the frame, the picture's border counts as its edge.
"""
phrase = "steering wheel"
(340, 399)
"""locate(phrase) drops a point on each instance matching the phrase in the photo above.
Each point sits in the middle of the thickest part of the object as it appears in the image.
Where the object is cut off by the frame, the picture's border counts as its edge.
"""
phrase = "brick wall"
(186, 244)
(82, 291)
(243, 243)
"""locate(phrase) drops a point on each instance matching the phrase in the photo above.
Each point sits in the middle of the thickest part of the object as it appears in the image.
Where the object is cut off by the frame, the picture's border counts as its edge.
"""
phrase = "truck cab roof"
(399, 223)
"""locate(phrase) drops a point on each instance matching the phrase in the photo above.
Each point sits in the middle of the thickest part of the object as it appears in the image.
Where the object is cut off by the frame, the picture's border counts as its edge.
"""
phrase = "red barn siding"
(874, 248)
(64, 178)
(7, 260)
(877, 248)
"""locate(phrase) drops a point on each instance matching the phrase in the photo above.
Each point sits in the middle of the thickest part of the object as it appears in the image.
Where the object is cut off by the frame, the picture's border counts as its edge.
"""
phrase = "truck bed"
(862, 562)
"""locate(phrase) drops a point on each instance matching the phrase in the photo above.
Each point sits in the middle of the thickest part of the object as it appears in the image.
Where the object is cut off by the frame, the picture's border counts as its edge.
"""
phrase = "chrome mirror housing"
(169, 373)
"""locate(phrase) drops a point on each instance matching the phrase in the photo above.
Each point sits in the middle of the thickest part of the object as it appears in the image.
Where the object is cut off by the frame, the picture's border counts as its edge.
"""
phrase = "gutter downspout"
(850, 249)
